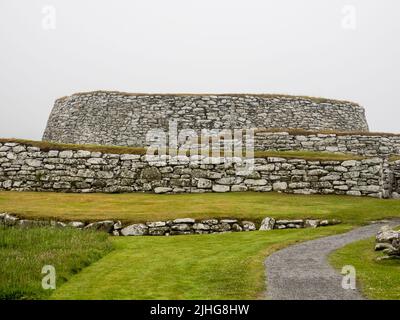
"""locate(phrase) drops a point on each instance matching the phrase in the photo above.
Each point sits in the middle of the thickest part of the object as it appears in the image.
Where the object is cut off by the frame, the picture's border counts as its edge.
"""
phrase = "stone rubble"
(388, 241)
(269, 223)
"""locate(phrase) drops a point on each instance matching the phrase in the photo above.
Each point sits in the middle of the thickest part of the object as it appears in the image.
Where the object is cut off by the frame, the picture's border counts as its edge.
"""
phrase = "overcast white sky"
(305, 47)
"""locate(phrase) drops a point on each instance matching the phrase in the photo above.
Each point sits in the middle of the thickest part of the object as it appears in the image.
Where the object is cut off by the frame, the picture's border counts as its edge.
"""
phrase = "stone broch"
(116, 118)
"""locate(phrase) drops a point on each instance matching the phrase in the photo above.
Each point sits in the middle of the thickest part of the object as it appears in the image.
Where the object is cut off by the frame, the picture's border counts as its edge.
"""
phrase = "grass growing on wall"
(261, 95)
(308, 155)
(23, 253)
(47, 146)
(301, 154)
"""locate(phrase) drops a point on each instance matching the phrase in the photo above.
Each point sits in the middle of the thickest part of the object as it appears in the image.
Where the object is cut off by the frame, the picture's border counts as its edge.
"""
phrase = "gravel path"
(302, 271)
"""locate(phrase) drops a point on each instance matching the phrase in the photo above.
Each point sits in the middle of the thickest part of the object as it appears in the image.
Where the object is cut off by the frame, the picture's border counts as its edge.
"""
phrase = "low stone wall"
(366, 145)
(25, 168)
(183, 226)
(269, 223)
(394, 178)
(388, 240)
(370, 145)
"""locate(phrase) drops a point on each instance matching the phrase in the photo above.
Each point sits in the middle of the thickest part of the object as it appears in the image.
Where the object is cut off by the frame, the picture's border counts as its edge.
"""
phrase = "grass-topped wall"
(30, 166)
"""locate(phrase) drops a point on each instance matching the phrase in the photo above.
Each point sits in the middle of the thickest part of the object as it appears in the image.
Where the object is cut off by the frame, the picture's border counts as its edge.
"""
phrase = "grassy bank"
(23, 253)
(376, 279)
(140, 207)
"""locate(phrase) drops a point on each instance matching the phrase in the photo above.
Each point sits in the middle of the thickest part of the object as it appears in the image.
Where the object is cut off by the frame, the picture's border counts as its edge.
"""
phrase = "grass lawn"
(140, 207)
(23, 253)
(376, 279)
(217, 266)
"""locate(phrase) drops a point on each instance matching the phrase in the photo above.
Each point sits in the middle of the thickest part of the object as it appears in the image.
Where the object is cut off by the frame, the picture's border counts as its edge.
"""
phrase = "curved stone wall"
(27, 168)
(368, 145)
(114, 118)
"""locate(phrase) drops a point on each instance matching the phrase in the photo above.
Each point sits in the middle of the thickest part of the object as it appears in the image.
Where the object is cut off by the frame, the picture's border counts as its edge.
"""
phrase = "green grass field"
(23, 253)
(376, 279)
(140, 207)
(217, 266)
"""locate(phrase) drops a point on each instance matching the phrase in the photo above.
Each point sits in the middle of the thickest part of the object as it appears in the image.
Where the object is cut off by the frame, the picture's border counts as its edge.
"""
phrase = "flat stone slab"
(302, 271)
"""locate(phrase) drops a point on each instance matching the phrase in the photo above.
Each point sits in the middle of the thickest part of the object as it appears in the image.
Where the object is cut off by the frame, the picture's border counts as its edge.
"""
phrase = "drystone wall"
(26, 168)
(349, 143)
(394, 179)
(388, 241)
(366, 145)
(113, 118)
(180, 226)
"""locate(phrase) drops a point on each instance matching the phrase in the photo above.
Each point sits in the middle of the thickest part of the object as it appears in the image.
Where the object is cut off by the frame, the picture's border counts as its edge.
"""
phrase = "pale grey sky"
(305, 47)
